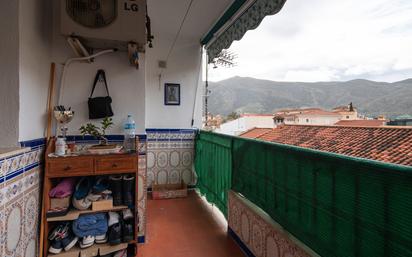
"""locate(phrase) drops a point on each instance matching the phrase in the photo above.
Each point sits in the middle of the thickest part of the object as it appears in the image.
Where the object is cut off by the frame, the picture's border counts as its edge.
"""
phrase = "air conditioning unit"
(103, 24)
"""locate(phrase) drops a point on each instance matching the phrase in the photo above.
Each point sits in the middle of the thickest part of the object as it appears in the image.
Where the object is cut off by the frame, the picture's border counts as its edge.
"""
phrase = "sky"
(327, 40)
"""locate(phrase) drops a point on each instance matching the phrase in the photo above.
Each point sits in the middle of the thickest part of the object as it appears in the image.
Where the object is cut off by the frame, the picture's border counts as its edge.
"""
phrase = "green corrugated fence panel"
(339, 206)
(213, 166)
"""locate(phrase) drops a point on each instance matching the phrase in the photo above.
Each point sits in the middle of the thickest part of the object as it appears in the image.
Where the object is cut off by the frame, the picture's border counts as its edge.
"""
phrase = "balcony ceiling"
(166, 17)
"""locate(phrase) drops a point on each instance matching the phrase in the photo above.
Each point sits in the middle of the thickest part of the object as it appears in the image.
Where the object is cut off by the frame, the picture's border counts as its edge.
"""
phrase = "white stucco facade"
(9, 73)
(308, 119)
(34, 67)
(246, 122)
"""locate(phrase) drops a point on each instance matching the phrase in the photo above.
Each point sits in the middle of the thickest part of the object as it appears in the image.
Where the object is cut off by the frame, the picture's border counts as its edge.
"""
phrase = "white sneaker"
(101, 239)
(114, 218)
(87, 242)
(127, 214)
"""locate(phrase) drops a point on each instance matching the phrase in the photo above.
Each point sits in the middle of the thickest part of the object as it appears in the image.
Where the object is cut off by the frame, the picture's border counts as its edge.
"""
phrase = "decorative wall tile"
(259, 234)
(170, 156)
(5, 166)
(142, 193)
(13, 227)
(19, 201)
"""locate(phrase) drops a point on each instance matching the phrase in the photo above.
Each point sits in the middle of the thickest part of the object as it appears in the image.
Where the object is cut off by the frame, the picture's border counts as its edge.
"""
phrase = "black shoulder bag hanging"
(100, 107)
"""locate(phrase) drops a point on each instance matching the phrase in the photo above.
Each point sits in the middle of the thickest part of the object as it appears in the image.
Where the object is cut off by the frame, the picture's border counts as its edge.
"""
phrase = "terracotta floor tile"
(187, 227)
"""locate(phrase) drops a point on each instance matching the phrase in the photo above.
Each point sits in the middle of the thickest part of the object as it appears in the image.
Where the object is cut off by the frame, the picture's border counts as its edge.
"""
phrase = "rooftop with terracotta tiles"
(387, 144)
(361, 123)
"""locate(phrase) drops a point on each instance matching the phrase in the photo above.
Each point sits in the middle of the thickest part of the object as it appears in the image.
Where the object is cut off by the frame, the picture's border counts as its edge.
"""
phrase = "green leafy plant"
(98, 132)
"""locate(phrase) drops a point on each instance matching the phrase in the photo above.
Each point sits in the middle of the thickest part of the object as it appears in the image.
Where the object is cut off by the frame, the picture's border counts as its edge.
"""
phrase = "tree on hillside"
(232, 116)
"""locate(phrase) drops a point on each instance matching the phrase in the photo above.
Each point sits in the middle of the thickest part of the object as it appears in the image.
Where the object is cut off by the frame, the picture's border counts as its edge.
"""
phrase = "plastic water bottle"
(129, 134)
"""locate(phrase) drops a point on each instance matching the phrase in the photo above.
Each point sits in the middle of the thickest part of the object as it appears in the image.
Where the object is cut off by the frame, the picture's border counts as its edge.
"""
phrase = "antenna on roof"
(225, 59)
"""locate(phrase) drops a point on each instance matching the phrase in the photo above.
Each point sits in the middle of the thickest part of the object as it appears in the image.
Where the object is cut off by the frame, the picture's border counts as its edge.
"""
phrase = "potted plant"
(98, 132)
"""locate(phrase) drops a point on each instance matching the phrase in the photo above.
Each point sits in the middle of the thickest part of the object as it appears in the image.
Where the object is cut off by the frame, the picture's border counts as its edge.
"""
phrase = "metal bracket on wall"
(78, 48)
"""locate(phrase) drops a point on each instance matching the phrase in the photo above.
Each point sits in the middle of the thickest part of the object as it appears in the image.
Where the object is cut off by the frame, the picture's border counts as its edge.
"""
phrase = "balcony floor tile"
(187, 227)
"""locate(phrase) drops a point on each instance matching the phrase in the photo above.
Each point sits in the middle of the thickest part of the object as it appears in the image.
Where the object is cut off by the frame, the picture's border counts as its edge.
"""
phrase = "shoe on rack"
(59, 232)
(87, 242)
(56, 246)
(127, 232)
(69, 242)
(101, 239)
(115, 234)
(116, 188)
(114, 218)
(81, 201)
(57, 235)
(128, 190)
(100, 185)
(127, 214)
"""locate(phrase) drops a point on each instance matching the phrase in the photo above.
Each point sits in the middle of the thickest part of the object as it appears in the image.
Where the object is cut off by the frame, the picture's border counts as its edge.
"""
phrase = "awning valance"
(249, 19)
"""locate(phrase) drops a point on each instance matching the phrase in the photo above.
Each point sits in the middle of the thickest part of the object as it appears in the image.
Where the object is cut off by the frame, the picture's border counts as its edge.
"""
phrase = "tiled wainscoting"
(142, 185)
(258, 234)
(170, 154)
(20, 200)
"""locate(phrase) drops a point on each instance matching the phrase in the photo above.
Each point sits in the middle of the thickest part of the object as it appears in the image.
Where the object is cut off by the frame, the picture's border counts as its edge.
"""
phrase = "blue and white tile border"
(20, 173)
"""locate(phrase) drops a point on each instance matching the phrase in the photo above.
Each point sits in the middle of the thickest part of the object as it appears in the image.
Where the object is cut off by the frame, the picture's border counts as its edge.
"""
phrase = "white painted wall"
(233, 127)
(9, 73)
(184, 68)
(242, 124)
(259, 121)
(126, 83)
(316, 120)
(35, 53)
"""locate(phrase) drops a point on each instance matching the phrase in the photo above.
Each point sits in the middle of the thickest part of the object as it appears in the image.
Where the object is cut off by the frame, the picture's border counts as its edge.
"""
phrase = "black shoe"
(116, 187)
(59, 232)
(127, 234)
(115, 234)
(69, 241)
(56, 246)
(128, 190)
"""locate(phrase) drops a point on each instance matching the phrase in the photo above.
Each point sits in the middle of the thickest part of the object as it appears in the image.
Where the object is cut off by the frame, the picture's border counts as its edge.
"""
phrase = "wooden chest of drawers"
(89, 165)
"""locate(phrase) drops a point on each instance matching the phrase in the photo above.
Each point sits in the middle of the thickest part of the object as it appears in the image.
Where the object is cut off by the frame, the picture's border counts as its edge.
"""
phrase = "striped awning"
(248, 18)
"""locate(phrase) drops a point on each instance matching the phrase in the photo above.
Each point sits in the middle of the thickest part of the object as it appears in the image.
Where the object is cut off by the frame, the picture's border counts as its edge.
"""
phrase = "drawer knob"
(114, 165)
(67, 168)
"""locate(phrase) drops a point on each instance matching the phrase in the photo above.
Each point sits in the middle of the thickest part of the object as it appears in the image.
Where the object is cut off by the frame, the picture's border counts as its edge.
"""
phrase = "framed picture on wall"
(172, 94)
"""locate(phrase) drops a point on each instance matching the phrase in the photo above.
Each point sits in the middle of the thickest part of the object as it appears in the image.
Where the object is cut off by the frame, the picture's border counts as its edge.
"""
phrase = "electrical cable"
(176, 37)
(77, 59)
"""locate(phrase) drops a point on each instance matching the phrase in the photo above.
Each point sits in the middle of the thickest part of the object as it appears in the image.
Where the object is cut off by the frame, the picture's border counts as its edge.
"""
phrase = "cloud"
(322, 40)
(315, 75)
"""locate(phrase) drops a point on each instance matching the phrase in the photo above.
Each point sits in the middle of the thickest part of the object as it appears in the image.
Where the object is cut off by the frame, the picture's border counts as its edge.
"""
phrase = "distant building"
(347, 112)
(361, 123)
(246, 122)
(403, 120)
(309, 116)
(317, 116)
(386, 144)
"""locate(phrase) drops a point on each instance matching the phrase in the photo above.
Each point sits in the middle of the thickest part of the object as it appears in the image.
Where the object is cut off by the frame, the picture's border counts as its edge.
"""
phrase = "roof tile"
(388, 144)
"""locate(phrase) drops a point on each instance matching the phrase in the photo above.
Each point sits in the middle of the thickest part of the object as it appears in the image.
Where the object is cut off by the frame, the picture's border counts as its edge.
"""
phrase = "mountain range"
(249, 95)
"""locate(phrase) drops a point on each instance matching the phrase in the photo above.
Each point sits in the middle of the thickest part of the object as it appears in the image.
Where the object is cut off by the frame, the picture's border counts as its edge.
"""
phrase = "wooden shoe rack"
(78, 166)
